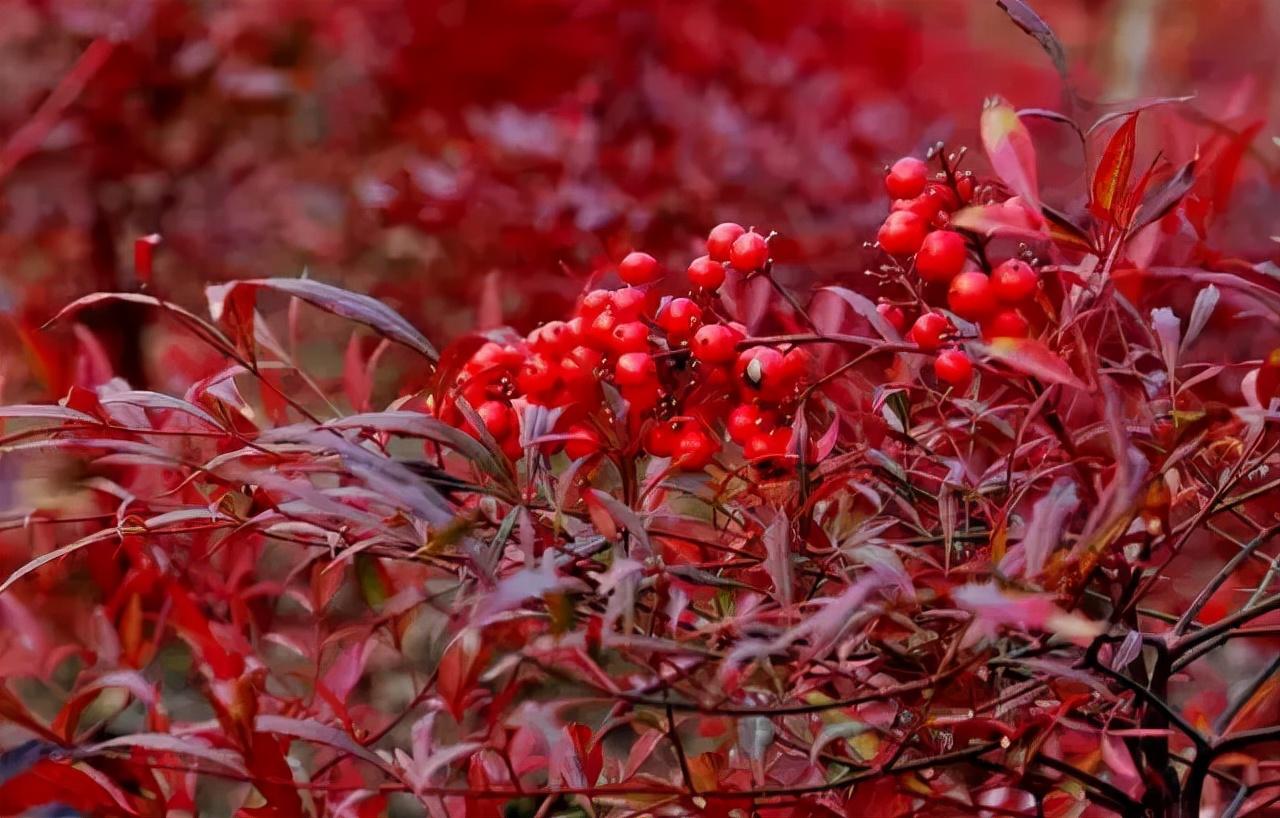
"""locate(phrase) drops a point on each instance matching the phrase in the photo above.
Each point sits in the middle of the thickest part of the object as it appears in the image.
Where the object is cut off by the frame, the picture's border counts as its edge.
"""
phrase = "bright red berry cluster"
(934, 264)
(678, 367)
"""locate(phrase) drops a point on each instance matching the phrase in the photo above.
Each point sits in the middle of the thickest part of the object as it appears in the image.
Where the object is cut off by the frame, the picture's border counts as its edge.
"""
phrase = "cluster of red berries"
(680, 367)
(916, 233)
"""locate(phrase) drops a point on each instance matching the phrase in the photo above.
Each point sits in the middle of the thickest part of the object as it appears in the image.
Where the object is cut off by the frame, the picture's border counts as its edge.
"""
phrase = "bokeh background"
(475, 161)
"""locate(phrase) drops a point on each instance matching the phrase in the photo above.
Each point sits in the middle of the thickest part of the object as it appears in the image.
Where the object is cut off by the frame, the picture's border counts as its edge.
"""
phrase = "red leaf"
(1111, 178)
(460, 668)
(589, 754)
(1031, 357)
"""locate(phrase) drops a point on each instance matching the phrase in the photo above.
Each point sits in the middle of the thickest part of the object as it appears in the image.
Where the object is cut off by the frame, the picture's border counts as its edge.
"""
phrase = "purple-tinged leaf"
(318, 733)
(866, 308)
(191, 746)
(1201, 312)
(353, 306)
(47, 411)
(1168, 330)
(1044, 528)
(1166, 197)
(1025, 18)
(629, 519)
(158, 401)
(995, 609)
(777, 561)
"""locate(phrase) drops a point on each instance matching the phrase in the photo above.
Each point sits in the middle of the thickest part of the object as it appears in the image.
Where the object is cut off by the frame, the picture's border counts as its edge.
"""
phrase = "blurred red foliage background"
(437, 154)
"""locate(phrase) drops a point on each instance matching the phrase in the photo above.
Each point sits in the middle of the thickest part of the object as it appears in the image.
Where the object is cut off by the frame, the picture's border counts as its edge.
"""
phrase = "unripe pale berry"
(706, 273)
(749, 253)
(941, 256)
(902, 233)
(720, 240)
(639, 268)
(971, 296)
(928, 330)
(954, 368)
(1013, 281)
(906, 178)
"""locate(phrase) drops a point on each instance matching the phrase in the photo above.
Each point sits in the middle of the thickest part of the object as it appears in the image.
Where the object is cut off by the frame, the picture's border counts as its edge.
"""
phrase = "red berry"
(744, 421)
(971, 297)
(629, 303)
(964, 187)
(584, 441)
(680, 318)
(594, 303)
(1006, 324)
(511, 446)
(772, 443)
(639, 268)
(660, 438)
(715, 344)
(761, 371)
(1013, 281)
(906, 178)
(924, 206)
(749, 253)
(706, 273)
(893, 315)
(695, 449)
(600, 330)
(928, 330)
(941, 256)
(578, 380)
(902, 233)
(642, 396)
(537, 376)
(795, 364)
(494, 356)
(632, 336)
(720, 240)
(953, 367)
(945, 196)
(498, 418)
(552, 337)
(635, 368)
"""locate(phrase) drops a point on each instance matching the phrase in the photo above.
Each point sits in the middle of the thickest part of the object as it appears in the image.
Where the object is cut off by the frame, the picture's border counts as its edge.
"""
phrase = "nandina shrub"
(986, 532)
